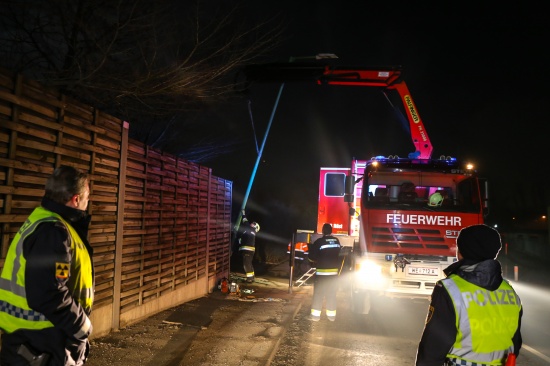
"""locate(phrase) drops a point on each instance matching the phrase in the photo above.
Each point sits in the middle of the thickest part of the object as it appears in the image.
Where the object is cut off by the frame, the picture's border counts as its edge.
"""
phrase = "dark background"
(478, 75)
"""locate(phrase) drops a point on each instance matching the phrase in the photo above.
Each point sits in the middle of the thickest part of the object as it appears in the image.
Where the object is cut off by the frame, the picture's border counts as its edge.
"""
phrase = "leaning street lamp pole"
(319, 56)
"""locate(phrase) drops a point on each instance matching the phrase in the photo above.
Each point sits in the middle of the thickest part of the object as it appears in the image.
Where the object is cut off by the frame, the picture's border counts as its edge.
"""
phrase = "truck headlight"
(368, 269)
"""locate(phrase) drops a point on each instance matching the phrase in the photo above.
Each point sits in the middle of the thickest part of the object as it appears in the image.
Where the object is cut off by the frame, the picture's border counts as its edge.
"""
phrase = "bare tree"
(153, 63)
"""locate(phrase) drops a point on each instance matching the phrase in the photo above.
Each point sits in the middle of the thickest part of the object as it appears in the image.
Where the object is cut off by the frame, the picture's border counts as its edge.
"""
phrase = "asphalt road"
(268, 325)
(389, 335)
(219, 329)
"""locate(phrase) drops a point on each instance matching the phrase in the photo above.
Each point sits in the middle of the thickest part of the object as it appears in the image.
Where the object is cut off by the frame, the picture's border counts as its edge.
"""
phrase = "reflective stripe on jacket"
(15, 312)
(247, 241)
(486, 321)
(300, 250)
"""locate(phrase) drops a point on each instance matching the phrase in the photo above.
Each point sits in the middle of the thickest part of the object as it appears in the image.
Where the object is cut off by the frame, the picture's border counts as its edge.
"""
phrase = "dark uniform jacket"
(248, 239)
(324, 252)
(440, 331)
(48, 245)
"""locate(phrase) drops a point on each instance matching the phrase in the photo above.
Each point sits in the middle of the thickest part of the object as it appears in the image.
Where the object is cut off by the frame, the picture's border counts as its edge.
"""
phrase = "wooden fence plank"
(172, 223)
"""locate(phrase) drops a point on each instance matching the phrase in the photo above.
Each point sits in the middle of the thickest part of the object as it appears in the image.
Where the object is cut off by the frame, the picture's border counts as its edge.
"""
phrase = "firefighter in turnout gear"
(46, 285)
(247, 246)
(324, 254)
(474, 316)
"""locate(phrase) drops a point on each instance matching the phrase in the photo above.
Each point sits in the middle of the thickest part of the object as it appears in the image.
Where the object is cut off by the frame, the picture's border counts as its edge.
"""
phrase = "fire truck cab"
(399, 240)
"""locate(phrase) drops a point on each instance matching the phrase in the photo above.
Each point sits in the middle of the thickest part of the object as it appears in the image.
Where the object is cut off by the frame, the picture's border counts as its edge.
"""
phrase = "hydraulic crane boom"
(388, 78)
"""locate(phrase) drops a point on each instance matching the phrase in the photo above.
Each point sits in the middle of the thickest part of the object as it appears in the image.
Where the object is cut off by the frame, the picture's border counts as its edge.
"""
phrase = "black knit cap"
(479, 242)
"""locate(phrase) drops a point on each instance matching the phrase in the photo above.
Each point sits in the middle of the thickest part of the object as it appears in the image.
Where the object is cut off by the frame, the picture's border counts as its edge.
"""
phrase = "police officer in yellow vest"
(474, 316)
(46, 284)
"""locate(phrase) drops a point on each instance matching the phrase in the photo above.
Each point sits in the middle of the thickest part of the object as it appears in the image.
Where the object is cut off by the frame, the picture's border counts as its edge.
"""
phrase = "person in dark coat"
(247, 246)
(46, 286)
(474, 315)
(324, 254)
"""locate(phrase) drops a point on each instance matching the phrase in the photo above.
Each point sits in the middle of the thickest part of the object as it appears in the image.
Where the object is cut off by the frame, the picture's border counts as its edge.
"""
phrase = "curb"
(287, 324)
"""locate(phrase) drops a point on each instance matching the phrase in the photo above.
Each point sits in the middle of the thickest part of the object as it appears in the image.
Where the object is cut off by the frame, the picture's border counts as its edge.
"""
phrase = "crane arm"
(388, 78)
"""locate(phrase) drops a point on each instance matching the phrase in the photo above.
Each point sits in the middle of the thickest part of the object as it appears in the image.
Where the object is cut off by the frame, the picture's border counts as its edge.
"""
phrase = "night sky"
(478, 75)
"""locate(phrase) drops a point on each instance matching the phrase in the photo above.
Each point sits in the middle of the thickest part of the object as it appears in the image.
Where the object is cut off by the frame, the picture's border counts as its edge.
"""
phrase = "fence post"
(120, 226)
(208, 220)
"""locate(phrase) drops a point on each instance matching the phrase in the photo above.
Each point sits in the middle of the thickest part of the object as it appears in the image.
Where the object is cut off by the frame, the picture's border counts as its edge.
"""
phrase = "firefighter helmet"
(255, 226)
(436, 199)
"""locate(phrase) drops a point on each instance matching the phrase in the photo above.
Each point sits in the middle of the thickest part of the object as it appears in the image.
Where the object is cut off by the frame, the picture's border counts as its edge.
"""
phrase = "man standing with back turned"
(324, 253)
(475, 315)
(46, 285)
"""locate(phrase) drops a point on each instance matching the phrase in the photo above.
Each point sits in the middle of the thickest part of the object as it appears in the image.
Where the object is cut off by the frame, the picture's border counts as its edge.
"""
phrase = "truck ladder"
(306, 276)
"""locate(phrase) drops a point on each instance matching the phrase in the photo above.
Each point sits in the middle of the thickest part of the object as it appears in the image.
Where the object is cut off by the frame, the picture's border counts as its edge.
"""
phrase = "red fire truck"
(383, 210)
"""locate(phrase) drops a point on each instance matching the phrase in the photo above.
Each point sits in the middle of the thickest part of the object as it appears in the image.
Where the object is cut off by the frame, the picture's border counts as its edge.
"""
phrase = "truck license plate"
(423, 271)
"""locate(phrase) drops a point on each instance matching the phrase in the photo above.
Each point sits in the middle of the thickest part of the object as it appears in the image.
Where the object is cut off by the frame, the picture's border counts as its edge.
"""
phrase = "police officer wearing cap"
(474, 316)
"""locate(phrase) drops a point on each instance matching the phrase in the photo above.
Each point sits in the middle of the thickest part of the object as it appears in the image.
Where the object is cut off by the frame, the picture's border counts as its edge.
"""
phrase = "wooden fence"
(161, 226)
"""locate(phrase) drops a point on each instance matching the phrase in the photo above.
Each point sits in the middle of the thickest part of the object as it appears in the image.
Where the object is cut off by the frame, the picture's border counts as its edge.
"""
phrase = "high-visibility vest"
(486, 321)
(15, 312)
(300, 250)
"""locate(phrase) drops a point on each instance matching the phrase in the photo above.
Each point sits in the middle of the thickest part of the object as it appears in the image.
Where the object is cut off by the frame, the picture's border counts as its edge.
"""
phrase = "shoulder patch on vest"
(430, 314)
(61, 270)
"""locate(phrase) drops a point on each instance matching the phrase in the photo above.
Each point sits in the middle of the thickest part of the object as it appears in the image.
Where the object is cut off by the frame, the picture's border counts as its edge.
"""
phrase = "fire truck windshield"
(421, 191)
